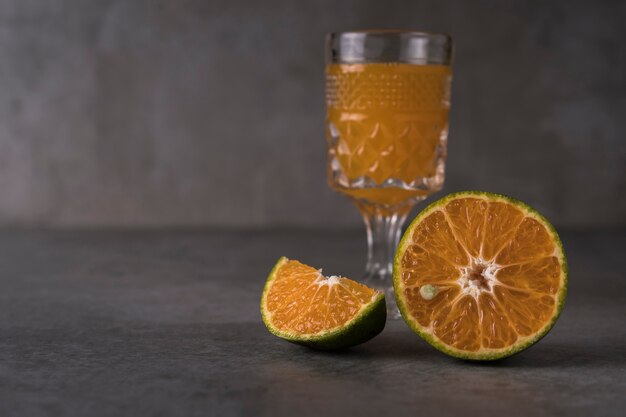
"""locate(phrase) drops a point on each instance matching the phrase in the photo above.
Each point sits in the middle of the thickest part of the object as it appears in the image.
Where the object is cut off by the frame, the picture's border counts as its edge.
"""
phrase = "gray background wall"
(211, 112)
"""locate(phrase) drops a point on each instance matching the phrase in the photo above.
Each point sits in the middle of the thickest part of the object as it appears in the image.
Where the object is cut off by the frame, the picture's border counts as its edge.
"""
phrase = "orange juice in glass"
(387, 101)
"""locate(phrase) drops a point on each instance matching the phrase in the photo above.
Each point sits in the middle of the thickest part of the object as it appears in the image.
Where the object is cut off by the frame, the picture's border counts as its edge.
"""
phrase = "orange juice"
(386, 129)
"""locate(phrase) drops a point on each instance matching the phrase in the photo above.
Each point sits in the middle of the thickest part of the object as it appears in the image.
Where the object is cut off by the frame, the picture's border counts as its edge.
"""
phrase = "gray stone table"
(167, 324)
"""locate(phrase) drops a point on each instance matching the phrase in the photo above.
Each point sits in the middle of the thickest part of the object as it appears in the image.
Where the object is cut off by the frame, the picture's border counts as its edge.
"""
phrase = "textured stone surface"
(211, 112)
(167, 324)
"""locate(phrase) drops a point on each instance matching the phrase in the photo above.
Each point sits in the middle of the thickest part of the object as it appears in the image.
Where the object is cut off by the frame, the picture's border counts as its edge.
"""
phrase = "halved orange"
(302, 306)
(480, 276)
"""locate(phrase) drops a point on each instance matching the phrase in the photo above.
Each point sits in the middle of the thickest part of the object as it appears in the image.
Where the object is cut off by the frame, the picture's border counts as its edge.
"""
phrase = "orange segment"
(467, 218)
(434, 235)
(524, 276)
(531, 241)
(455, 324)
(496, 331)
(526, 311)
(426, 267)
(480, 276)
(424, 310)
(500, 226)
(311, 319)
(303, 306)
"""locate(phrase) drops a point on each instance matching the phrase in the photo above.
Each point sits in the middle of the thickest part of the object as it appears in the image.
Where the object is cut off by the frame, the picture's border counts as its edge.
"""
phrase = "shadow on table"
(399, 343)
(547, 354)
(393, 344)
(563, 355)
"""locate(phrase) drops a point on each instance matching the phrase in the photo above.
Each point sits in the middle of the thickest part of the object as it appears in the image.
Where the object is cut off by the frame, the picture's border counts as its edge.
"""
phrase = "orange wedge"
(480, 276)
(302, 306)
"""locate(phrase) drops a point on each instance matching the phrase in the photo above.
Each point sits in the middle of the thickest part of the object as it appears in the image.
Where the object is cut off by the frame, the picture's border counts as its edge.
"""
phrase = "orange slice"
(302, 306)
(480, 276)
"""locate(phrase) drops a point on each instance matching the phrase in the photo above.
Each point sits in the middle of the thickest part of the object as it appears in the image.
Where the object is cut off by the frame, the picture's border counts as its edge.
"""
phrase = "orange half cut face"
(480, 276)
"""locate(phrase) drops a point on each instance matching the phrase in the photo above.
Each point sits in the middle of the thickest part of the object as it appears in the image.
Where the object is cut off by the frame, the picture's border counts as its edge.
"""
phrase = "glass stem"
(383, 233)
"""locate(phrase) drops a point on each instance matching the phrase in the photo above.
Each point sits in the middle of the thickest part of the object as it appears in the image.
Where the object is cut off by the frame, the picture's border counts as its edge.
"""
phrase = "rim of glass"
(389, 45)
(390, 32)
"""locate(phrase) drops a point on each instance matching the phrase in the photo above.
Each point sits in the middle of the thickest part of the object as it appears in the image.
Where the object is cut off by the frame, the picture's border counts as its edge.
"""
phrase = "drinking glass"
(387, 101)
